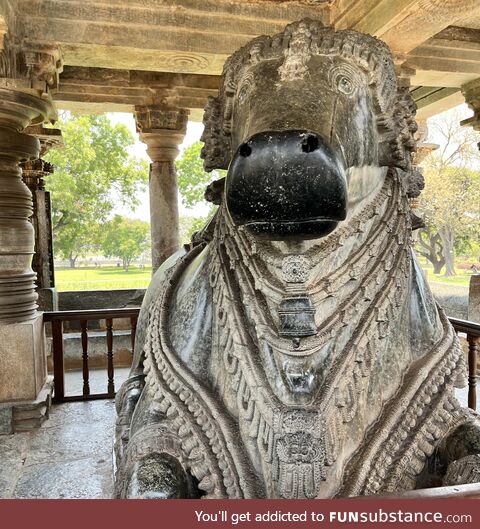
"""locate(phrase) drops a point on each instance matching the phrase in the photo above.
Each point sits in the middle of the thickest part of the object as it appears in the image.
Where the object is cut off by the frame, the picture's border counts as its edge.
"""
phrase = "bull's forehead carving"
(302, 40)
(296, 52)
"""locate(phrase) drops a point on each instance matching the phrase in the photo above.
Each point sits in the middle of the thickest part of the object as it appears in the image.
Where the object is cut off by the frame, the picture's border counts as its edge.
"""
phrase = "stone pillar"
(25, 391)
(474, 299)
(471, 93)
(34, 173)
(162, 129)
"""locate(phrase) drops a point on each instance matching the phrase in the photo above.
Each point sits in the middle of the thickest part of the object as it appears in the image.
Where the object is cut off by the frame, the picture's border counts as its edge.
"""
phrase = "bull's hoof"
(462, 471)
(161, 477)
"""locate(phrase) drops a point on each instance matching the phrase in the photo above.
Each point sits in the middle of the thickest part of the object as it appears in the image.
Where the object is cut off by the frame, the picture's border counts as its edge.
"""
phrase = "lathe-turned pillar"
(25, 391)
(163, 130)
(34, 173)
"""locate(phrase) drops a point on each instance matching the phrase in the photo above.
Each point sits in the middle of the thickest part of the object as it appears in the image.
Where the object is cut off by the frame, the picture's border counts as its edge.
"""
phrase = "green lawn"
(111, 278)
(104, 278)
(462, 277)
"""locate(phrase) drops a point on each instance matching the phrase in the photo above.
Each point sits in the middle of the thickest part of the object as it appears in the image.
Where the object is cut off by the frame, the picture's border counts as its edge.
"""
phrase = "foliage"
(189, 225)
(92, 173)
(450, 202)
(125, 238)
(192, 178)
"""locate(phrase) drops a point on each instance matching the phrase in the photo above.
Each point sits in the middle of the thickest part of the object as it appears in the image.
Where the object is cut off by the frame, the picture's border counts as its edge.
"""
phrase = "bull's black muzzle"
(287, 184)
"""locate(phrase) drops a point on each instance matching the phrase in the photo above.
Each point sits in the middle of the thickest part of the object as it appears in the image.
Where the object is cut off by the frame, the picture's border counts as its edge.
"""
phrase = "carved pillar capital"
(471, 93)
(162, 129)
(424, 148)
(35, 170)
(404, 73)
(48, 138)
(29, 68)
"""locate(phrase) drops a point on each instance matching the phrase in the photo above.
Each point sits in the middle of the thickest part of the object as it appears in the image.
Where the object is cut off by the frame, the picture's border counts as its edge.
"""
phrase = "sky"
(194, 132)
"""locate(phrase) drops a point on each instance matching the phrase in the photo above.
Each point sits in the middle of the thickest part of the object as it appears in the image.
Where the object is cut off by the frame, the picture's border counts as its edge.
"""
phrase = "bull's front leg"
(159, 476)
(462, 455)
(125, 403)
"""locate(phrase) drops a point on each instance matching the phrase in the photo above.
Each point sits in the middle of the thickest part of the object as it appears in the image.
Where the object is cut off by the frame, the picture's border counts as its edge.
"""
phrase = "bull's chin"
(288, 230)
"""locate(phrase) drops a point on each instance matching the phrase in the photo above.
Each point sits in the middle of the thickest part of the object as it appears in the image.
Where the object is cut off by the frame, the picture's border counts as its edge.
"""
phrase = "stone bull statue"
(295, 350)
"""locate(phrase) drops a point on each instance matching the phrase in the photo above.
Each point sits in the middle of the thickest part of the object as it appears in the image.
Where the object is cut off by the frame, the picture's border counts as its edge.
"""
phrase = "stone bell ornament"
(295, 350)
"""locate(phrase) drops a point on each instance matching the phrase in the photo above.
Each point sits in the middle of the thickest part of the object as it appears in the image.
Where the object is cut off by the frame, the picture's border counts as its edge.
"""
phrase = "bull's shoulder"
(154, 291)
(425, 325)
(190, 318)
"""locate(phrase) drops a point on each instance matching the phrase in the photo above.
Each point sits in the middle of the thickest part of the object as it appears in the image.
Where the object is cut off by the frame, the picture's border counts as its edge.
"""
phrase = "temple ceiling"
(119, 53)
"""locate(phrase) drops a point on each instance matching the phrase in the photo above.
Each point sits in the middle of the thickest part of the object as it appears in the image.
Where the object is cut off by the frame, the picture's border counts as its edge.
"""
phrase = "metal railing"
(57, 320)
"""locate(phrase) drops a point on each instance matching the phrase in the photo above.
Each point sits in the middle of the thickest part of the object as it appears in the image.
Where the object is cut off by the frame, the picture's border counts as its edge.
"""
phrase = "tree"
(92, 173)
(125, 238)
(189, 225)
(451, 199)
(192, 178)
(429, 245)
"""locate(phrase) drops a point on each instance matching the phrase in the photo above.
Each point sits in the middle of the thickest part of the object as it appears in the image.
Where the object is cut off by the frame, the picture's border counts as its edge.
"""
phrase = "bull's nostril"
(245, 150)
(310, 143)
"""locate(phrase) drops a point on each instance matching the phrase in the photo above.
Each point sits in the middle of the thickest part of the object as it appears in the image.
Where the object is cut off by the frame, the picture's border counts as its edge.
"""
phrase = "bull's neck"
(306, 300)
(303, 391)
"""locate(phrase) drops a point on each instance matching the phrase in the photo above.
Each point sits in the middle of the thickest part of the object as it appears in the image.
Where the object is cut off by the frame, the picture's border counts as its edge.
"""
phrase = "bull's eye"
(345, 85)
(242, 94)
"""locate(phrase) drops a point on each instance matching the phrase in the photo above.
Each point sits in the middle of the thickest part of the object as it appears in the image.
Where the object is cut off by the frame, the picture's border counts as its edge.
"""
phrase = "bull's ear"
(216, 152)
(398, 135)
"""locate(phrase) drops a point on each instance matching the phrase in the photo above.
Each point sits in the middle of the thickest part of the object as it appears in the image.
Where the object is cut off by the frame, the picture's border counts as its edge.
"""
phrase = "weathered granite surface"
(296, 350)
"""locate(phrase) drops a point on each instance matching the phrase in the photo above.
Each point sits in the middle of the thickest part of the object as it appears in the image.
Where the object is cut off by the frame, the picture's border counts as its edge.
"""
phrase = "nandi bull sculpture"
(295, 351)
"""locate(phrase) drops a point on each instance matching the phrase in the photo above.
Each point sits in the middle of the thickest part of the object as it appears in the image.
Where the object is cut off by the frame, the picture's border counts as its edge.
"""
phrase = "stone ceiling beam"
(183, 36)
(107, 90)
(402, 24)
(433, 100)
(454, 51)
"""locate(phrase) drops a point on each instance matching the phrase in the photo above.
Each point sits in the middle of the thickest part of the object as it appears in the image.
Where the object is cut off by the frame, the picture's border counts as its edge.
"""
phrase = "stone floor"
(70, 456)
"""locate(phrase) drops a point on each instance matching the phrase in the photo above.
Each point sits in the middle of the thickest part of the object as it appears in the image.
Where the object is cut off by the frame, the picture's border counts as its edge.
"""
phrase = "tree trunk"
(448, 240)
(73, 260)
(431, 249)
(437, 266)
(126, 264)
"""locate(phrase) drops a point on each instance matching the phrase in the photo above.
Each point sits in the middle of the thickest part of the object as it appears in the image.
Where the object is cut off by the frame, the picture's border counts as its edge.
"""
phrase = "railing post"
(58, 365)
(86, 374)
(472, 370)
(111, 384)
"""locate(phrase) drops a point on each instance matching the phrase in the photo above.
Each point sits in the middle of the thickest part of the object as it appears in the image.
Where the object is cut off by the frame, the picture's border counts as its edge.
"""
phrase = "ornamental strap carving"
(295, 350)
